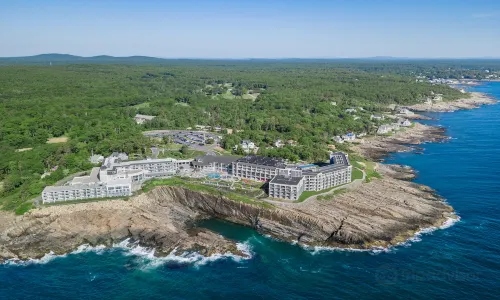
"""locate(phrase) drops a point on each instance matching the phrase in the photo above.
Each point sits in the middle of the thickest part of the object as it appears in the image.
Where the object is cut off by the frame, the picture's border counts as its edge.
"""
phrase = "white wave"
(450, 222)
(99, 249)
(34, 261)
(417, 237)
(319, 249)
(147, 259)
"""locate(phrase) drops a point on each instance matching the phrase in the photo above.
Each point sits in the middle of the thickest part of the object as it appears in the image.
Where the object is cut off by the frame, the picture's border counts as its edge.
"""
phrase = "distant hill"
(55, 58)
(61, 59)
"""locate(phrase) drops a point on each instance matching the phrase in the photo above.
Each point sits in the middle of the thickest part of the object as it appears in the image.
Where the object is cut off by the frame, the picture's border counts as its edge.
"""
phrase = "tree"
(184, 149)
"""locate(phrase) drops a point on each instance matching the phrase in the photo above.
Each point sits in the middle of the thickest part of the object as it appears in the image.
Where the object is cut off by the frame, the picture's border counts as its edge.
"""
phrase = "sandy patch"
(62, 139)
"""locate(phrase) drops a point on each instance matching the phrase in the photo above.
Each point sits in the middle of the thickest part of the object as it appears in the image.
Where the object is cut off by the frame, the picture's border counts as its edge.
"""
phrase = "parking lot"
(194, 139)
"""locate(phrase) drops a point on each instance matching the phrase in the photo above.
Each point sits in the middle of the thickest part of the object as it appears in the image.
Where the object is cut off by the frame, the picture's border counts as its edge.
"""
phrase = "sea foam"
(417, 237)
(146, 256)
(147, 259)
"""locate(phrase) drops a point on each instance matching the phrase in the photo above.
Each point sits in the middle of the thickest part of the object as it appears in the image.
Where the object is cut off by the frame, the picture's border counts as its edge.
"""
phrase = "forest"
(92, 106)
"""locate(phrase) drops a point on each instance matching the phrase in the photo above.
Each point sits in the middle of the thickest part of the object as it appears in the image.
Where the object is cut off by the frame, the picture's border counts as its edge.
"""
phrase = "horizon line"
(257, 58)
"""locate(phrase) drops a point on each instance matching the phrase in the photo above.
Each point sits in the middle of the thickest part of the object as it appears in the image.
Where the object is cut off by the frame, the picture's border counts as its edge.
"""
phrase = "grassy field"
(366, 165)
(356, 174)
(308, 194)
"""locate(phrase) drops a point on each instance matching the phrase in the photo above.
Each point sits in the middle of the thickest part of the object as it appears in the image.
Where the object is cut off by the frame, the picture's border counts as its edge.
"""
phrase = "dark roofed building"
(220, 163)
(286, 187)
(259, 168)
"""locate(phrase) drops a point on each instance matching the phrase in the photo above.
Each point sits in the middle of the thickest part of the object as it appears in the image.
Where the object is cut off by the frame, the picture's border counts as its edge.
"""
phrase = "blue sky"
(251, 28)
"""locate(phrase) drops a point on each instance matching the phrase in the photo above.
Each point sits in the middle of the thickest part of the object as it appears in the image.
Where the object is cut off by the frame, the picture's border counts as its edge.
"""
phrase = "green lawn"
(356, 174)
(366, 165)
(307, 194)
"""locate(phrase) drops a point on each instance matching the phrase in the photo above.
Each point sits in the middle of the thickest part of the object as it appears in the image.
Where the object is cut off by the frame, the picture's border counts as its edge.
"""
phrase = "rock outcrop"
(380, 213)
(377, 147)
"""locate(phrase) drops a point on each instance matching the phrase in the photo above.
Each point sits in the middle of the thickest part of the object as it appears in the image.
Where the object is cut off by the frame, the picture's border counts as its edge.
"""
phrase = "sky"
(252, 28)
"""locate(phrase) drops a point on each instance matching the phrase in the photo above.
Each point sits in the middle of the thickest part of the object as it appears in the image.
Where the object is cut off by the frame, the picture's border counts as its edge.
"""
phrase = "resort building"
(258, 168)
(140, 119)
(292, 181)
(117, 188)
(139, 170)
(215, 163)
(117, 177)
(286, 187)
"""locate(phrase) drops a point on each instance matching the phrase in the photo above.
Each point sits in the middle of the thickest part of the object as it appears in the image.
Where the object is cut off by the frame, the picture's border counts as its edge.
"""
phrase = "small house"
(140, 119)
(279, 144)
(338, 139)
(349, 137)
(377, 117)
(384, 129)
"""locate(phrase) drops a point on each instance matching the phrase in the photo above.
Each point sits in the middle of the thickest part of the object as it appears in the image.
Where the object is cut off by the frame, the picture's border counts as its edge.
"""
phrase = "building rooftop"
(92, 178)
(205, 160)
(263, 160)
(145, 117)
(280, 179)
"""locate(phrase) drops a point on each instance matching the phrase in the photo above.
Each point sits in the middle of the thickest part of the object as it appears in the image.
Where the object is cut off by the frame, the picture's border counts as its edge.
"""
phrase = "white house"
(279, 143)
(395, 126)
(349, 137)
(246, 145)
(384, 129)
(350, 110)
(404, 122)
(338, 139)
(377, 117)
(438, 98)
(140, 119)
(405, 111)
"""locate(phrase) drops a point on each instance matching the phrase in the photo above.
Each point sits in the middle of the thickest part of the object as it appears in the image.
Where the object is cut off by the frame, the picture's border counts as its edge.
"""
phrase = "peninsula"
(292, 156)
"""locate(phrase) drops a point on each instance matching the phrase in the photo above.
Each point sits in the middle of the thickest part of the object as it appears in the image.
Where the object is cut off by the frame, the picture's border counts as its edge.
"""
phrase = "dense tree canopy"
(94, 105)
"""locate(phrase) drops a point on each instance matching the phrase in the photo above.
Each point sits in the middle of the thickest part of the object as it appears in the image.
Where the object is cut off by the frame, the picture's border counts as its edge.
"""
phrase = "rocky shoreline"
(475, 101)
(381, 213)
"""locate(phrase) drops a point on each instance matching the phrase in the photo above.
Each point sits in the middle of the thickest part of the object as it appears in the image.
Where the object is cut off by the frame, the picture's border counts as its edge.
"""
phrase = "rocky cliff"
(380, 213)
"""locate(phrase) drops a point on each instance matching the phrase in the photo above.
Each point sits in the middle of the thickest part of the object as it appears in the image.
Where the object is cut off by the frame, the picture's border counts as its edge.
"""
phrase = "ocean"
(457, 261)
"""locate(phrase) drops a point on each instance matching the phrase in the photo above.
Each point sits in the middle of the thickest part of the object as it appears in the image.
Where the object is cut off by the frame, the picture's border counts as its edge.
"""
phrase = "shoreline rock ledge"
(383, 212)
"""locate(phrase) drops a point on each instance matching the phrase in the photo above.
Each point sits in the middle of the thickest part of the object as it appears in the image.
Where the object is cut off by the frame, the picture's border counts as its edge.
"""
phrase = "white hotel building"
(117, 177)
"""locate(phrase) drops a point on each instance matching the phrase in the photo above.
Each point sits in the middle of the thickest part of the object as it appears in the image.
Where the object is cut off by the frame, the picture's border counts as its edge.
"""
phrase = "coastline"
(475, 101)
(388, 212)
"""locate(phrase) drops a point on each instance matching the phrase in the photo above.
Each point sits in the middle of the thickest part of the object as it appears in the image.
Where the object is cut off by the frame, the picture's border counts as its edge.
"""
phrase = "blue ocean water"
(459, 262)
